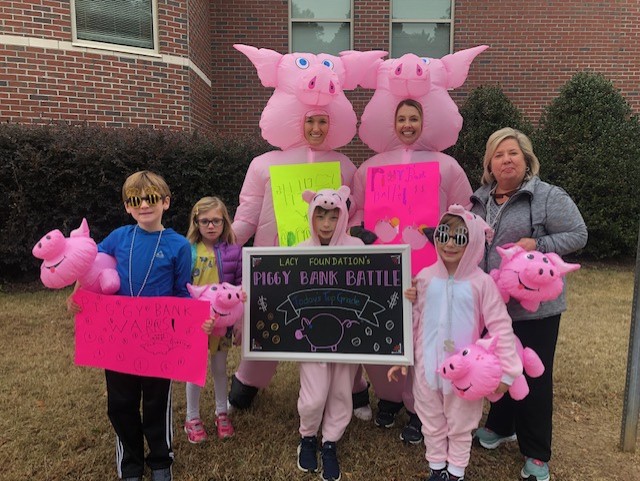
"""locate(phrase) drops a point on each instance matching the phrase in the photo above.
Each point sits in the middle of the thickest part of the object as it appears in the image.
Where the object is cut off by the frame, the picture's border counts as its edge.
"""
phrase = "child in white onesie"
(455, 302)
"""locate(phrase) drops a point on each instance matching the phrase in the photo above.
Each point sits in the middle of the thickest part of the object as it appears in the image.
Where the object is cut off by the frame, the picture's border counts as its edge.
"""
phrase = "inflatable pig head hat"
(308, 84)
(426, 80)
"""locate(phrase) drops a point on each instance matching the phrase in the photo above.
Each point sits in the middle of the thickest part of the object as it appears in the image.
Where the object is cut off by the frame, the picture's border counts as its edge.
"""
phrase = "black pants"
(124, 393)
(531, 419)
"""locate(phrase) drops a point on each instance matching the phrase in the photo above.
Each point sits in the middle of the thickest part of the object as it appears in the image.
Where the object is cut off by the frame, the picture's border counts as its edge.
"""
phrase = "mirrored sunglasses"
(135, 201)
(460, 236)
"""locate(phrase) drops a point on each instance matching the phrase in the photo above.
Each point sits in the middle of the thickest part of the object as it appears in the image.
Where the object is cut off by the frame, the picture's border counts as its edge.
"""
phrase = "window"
(321, 26)
(129, 23)
(423, 27)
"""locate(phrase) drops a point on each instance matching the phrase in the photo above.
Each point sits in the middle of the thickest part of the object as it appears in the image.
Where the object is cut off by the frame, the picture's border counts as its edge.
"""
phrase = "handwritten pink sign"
(399, 201)
(147, 336)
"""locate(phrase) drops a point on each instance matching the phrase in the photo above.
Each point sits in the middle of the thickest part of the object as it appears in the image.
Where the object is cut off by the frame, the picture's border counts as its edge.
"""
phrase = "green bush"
(589, 144)
(486, 110)
(53, 176)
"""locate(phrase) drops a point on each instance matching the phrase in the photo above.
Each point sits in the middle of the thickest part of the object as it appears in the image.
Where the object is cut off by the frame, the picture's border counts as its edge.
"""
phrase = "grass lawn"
(53, 422)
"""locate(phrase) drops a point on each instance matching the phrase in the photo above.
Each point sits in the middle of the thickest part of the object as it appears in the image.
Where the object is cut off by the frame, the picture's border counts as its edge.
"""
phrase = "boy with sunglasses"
(455, 302)
(151, 261)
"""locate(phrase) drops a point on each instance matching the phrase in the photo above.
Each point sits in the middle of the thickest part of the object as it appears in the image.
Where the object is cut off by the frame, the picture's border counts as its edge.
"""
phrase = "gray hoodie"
(541, 211)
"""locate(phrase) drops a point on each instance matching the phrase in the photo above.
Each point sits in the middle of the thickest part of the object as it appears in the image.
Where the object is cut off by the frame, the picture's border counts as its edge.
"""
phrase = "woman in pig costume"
(307, 117)
(410, 119)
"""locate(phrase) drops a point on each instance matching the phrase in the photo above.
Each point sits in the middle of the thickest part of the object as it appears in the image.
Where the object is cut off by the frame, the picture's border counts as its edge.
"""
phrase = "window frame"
(450, 22)
(78, 42)
(293, 20)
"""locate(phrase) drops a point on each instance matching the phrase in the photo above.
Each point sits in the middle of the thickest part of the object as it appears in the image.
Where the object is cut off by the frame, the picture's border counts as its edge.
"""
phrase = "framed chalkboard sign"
(328, 304)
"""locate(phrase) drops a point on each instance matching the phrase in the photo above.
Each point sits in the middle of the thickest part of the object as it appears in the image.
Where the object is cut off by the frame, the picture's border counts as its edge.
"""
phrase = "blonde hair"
(495, 139)
(147, 181)
(203, 205)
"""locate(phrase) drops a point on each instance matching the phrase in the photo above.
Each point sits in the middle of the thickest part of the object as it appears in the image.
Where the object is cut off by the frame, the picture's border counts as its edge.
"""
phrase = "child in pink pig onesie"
(325, 387)
(455, 302)
(410, 119)
(307, 117)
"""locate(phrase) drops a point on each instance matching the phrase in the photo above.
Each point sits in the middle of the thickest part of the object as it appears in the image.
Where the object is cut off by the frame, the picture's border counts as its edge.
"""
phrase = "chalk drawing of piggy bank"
(530, 277)
(323, 331)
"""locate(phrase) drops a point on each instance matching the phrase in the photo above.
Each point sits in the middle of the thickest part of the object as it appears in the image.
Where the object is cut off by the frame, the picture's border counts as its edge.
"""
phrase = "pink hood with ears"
(427, 80)
(330, 199)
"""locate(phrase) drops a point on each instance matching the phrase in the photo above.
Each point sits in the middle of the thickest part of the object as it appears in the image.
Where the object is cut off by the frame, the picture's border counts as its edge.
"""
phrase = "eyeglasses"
(460, 236)
(135, 201)
(206, 222)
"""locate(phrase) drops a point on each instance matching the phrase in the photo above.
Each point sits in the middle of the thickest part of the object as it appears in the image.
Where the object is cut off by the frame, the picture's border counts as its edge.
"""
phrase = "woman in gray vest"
(524, 210)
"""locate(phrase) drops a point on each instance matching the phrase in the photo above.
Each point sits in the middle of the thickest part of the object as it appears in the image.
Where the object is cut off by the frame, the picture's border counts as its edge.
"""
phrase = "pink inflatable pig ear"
(308, 84)
(424, 80)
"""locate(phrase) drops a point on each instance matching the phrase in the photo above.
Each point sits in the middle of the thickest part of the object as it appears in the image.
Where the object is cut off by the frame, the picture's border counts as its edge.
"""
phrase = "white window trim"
(450, 21)
(321, 20)
(114, 47)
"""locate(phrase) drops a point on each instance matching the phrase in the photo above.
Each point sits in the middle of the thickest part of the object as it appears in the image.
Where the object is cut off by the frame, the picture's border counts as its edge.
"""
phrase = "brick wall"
(536, 47)
(44, 78)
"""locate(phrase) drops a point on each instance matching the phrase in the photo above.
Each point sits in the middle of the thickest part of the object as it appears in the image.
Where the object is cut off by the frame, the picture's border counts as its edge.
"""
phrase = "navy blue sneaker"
(412, 432)
(437, 474)
(308, 454)
(330, 466)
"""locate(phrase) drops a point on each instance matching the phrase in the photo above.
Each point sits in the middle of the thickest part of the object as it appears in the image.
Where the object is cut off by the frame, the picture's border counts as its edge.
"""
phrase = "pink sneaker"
(225, 428)
(195, 431)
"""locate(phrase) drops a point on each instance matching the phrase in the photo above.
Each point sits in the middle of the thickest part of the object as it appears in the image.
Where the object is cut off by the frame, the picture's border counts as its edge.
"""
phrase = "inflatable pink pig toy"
(76, 258)
(475, 372)
(530, 277)
(226, 304)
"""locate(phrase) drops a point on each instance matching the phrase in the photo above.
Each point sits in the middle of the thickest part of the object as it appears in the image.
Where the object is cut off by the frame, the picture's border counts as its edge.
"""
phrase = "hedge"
(52, 176)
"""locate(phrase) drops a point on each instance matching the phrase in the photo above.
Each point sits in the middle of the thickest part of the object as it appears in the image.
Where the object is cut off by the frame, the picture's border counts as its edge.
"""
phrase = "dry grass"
(53, 423)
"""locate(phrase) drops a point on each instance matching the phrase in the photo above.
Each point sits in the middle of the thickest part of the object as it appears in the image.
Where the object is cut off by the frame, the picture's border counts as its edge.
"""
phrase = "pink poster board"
(399, 201)
(147, 336)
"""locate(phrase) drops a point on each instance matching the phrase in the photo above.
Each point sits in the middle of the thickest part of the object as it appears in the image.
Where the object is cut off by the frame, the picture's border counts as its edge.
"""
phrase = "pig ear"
(305, 321)
(344, 191)
(82, 231)
(361, 67)
(457, 65)
(308, 196)
(488, 343)
(265, 61)
(195, 291)
(508, 251)
(561, 266)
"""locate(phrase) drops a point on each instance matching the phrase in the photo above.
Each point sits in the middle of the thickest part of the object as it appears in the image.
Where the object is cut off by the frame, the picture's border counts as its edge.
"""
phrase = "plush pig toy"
(76, 258)
(475, 371)
(530, 277)
(226, 304)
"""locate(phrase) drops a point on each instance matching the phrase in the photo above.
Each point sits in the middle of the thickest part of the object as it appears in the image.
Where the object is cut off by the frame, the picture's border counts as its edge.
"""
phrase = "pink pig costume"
(325, 388)
(305, 84)
(427, 81)
(456, 308)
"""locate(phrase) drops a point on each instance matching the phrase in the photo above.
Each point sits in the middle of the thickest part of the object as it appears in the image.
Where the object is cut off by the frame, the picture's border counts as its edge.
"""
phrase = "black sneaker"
(387, 411)
(330, 466)
(308, 454)
(438, 475)
(412, 432)
(241, 395)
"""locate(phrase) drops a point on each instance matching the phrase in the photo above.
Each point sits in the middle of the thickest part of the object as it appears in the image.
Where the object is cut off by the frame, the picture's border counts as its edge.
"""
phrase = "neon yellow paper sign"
(288, 182)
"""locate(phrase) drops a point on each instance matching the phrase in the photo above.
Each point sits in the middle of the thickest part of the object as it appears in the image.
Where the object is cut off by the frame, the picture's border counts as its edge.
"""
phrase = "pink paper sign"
(399, 201)
(147, 336)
